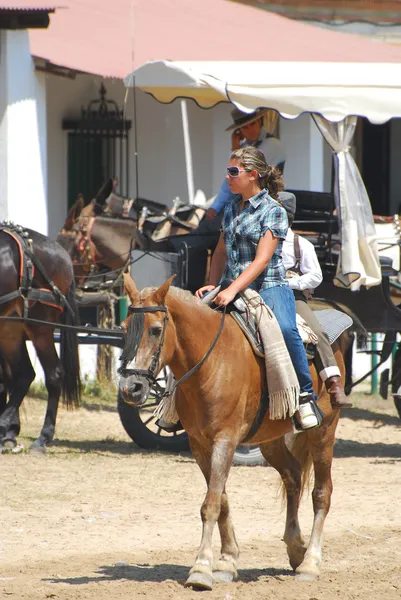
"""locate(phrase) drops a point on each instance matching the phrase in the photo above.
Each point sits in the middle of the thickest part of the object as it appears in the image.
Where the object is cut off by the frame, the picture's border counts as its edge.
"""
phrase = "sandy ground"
(99, 518)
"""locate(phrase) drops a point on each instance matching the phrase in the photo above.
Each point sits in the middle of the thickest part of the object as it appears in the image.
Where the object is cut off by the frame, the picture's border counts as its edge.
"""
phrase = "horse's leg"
(278, 456)
(20, 375)
(44, 345)
(321, 443)
(226, 567)
(215, 466)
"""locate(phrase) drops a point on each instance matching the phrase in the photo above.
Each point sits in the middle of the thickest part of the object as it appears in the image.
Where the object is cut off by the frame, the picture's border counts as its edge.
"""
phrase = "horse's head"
(146, 348)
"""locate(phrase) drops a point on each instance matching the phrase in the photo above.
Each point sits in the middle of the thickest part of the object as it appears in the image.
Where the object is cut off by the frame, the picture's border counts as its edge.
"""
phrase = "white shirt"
(309, 264)
(273, 150)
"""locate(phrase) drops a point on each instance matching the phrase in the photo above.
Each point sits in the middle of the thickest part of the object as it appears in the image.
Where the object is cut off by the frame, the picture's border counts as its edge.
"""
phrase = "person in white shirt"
(304, 275)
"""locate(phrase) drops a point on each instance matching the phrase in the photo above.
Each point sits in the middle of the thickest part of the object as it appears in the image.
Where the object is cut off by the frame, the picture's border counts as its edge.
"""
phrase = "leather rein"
(151, 373)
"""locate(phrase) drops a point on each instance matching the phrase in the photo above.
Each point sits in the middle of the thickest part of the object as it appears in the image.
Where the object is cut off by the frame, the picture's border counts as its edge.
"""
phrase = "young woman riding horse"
(36, 282)
(218, 404)
(249, 252)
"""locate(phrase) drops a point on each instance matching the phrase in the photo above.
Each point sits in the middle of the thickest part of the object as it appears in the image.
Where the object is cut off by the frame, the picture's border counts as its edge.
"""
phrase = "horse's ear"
(160, 294)
(131, 289)
(74, 212)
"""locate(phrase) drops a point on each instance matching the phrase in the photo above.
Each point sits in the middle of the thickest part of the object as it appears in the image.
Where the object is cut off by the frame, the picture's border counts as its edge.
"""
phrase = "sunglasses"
(235, 171)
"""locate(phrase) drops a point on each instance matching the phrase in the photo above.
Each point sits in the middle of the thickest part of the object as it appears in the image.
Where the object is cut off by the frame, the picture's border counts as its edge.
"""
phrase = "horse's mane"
(184, 295)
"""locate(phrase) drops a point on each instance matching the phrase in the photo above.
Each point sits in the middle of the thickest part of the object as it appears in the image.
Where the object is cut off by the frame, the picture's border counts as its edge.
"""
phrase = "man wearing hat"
(248, 130)
(304, 275)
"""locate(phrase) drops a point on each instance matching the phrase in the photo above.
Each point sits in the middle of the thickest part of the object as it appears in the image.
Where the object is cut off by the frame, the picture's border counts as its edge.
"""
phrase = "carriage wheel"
(397, 402)
(396, 380)
(249, 456)
(140, 425)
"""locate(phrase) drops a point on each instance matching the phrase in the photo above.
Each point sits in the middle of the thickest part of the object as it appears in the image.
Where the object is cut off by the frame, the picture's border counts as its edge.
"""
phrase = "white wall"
(23, 137)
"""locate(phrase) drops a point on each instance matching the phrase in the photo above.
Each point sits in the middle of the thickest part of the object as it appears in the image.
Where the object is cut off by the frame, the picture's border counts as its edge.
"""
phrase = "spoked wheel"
(140, 425)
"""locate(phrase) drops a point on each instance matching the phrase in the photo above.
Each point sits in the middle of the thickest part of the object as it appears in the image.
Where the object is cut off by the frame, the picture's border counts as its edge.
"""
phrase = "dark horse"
(36, 282)
(217, 405)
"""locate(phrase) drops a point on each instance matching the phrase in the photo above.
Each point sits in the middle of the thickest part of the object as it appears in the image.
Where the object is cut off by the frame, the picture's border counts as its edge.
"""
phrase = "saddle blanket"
(333, 322)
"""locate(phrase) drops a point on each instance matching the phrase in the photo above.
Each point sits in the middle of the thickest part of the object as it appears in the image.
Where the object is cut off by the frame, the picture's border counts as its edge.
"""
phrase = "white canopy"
(334, 93)
(333, 90)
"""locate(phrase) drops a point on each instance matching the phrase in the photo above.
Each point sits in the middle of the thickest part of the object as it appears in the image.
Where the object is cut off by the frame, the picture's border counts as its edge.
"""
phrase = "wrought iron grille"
(98, 148)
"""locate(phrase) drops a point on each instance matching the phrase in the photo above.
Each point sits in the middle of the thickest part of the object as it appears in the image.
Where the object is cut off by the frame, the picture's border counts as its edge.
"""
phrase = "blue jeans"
(281, 300)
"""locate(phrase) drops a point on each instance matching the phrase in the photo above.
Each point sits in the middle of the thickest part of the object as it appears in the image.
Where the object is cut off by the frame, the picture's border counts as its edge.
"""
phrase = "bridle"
(151, 373)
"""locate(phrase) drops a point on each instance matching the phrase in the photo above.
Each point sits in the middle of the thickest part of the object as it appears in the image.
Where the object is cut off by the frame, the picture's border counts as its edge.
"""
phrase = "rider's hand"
(236, 138)
(210, 214)
(225, 297)
(204, 290)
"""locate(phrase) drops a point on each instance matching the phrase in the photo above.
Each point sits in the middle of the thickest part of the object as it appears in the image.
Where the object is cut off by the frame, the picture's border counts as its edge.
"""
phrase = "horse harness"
(28, 262)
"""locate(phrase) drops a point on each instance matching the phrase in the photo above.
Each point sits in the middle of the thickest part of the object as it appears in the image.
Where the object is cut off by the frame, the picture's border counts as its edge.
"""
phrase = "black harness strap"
(200, 363)
(260, 415)
(26, 291)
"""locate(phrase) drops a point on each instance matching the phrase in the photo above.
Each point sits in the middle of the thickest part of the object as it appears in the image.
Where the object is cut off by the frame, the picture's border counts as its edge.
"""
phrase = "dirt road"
(97, 518)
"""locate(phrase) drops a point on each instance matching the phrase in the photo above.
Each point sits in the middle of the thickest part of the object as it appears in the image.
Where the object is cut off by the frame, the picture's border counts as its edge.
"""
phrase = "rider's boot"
(309, 415)
(338, 399)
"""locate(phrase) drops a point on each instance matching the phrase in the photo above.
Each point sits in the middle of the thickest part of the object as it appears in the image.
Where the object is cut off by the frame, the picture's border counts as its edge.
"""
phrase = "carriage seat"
(315, 212)
(386, 263)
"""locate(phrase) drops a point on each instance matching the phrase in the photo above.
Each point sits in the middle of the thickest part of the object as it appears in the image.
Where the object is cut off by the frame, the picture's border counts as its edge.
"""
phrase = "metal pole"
(188, 153)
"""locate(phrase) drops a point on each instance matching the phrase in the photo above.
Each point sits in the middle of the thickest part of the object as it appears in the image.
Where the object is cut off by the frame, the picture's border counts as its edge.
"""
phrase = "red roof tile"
(110, 39)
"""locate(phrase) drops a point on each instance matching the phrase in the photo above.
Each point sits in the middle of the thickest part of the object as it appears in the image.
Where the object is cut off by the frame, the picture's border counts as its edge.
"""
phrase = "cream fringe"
(166, 410)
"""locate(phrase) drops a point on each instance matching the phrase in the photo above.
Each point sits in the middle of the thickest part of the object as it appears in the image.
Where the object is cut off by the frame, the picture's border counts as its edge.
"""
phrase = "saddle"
(333, 322)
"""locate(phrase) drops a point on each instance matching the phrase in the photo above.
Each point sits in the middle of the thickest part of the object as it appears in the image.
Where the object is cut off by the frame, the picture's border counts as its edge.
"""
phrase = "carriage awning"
(334, 90)
(334, 93)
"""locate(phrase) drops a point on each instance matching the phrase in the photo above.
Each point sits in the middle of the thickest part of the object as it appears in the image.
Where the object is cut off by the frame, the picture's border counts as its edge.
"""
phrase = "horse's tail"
(69, 355)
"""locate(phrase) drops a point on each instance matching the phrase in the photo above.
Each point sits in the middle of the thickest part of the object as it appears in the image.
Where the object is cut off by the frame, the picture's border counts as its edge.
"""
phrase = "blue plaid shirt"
(242, 232)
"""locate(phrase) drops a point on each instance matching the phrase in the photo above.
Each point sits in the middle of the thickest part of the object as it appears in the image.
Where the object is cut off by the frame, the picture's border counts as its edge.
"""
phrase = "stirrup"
(169, 427)
(315, 411)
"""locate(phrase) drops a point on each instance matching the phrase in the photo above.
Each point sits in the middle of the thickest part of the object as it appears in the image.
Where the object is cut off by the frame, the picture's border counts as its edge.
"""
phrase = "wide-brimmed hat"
(289, 202)
(241, 118)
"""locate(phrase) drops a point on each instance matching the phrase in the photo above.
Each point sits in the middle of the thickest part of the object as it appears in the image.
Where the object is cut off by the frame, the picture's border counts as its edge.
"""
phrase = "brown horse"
(36, 288)
(217, 406)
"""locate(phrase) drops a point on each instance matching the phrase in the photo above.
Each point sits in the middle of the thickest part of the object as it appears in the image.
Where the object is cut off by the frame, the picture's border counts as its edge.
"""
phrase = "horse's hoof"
(223, 576)
(308, 577)
(200, 581)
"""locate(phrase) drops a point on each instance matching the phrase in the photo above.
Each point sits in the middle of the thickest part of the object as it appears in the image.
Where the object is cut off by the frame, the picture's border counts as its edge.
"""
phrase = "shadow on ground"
(160, 573)
(362, 414)
(108, 445)
(349, 448)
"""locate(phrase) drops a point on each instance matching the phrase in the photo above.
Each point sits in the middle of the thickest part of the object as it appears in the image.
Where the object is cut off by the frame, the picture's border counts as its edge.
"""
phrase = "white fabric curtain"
(359, 259)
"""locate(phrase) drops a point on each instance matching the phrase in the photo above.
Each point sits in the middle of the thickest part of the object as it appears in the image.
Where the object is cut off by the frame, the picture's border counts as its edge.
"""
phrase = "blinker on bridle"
(131, 348)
